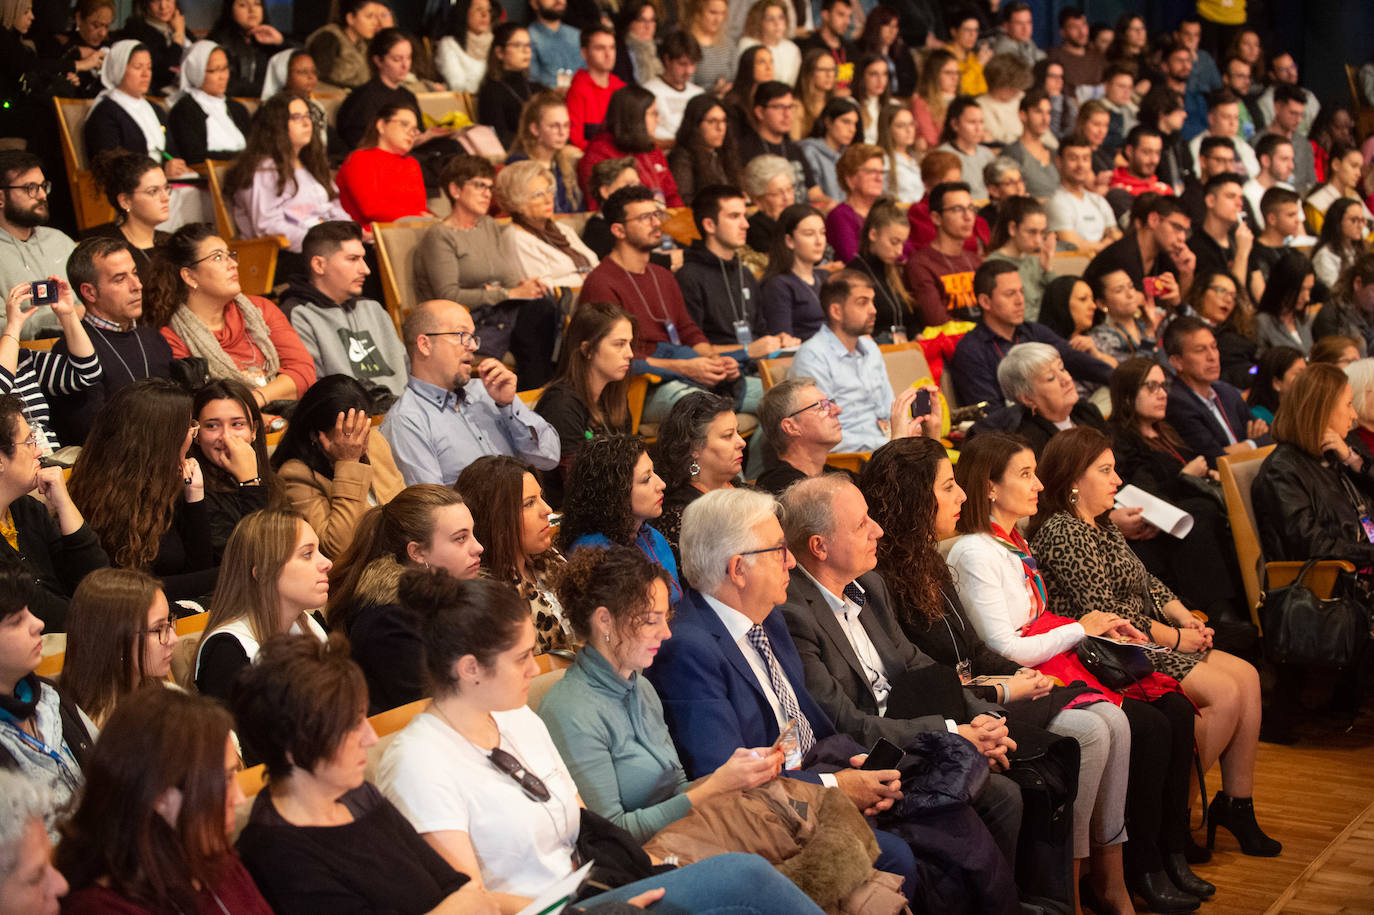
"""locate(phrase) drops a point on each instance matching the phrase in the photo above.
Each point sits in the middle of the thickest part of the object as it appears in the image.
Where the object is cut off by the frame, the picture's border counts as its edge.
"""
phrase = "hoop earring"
(694, 469)
(1073, 496)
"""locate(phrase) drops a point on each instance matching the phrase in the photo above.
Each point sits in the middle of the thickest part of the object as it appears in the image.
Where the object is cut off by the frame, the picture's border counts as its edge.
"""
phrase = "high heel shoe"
(1237, 814)
(1160, 893)
(1176, 866)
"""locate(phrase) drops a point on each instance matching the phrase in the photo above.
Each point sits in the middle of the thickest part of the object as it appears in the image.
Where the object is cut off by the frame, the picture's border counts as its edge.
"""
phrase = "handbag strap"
(1298, 581)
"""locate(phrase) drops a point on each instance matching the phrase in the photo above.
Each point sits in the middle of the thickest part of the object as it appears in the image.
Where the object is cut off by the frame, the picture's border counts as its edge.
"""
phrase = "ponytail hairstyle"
(1013, 211)
(885, 212)
(119, 173)
(481, 617)
(164, 291)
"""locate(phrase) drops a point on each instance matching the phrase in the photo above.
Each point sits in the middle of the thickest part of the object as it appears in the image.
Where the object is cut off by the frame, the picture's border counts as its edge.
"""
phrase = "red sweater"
(587, 104)
(379, 186)
(652, 167)
(650, 297)
(236, 892)
(233, 338)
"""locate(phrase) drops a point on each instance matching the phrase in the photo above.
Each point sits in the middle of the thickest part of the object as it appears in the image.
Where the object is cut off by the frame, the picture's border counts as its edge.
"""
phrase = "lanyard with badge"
(40, 747)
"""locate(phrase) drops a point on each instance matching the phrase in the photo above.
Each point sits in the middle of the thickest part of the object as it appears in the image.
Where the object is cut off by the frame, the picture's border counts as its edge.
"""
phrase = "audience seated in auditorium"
(340, 47)
(815, 86)
(668, 343)
(1274, 157)
(1341, 241)
(591, 87)
(774, 114)
(554, 44)
(121, 638)
(28, 882)
(1280, 214)
(589, 393)
(542, 136)
(1130, 321)
(137, 188)
(1008, 79)
(882, 241)
(512, 521)
(631, 119)
(615, 497)
(1044, 398)
(1349, 309)
(1020, 238)
(937, 87)
(51, 541)
(1275, 373)
(161, 29)
(791, 291)
(835, 128)
(1002, 176)
(609, 176)
(1142, 149)
(205, 123)
(274, 578)
(1031, 150)
(542, 247)
(897, 136)
(379, 181)
(142, 493)
(151, 831)
(1222, 237)
(1223, 120)
(461, 54)
(1088, 568)
(424, 525)
(1214, 298)
(673, 88)
(103, 275)
(39, 377)
(1287, 121)
(482, 822)
(963, 136)
(250, 40)
(1002, 591)
(231, 450)
(860, 173)
(705, 152)
(293, 70)
(848, 366)
(49, 738)
(699, 450)
(768, 181)
(1156, 247)
(33, 249)
(997, 284)
(939, 167)
(281, 184)
(1282, 315)
(508, 83)
(768, 24)
(389, 61)
(194, 296)
(332, 464)
(800, 426)
(1209, 414)
(1081, 218)
(122, 117)
(446, 417)
(941, 276)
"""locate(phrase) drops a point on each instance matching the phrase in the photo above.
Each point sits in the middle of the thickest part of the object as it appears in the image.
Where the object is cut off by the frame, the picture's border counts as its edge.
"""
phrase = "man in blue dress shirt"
(446, 418)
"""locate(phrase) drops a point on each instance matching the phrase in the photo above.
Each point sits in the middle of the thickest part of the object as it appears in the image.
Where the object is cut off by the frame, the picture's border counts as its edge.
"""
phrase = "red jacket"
(1134, 186)
(380, 186)
(652, 167)
(587, 104)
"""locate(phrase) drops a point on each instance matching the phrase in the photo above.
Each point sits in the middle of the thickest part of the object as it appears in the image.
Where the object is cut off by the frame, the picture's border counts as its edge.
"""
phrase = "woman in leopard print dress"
(1087, 566)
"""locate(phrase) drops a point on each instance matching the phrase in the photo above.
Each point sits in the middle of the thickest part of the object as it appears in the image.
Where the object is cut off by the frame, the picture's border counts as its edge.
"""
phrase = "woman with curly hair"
(137, 188)
(909, 486)
(512, 521)
(425, 525)
(613, 494)
(699, 450)
(140, 491)
(705, 152)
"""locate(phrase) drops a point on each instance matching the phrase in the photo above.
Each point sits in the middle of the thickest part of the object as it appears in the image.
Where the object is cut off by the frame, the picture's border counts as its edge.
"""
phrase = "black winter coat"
(1303, 510)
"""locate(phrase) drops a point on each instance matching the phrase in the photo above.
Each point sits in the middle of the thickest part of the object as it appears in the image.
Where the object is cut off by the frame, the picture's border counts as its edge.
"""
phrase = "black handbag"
(1301, 628)
(1115, 666)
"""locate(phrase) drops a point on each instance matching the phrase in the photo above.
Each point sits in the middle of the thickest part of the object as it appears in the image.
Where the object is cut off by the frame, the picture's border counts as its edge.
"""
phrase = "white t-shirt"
(1089, 216)
(442, 782)
(671, 105)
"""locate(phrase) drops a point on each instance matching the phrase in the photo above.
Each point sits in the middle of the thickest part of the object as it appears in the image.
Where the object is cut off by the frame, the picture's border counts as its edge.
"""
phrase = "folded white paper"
(1168, 518)
(556, 898)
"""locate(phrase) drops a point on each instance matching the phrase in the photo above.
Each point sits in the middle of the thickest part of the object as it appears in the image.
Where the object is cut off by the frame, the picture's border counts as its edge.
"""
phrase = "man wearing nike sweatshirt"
(344, 332)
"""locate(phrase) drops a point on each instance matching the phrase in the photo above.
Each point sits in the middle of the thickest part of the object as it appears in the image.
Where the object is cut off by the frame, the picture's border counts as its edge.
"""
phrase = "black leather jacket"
(1303, 510)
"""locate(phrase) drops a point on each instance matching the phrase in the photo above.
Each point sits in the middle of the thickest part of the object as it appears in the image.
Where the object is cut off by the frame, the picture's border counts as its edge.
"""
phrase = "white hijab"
(278, 72)
(140, 109)
(221, 133)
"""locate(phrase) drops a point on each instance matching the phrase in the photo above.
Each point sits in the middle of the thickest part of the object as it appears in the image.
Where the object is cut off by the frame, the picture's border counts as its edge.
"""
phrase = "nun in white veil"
(304, 81)
(205, 123)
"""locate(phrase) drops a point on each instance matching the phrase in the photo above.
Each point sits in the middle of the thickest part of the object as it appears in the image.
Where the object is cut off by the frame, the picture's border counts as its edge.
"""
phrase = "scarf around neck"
(550, 234)
(1035, 585)
(200, 340)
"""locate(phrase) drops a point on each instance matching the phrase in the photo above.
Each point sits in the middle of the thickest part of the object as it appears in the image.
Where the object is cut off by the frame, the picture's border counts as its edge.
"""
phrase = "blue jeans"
(730, 884)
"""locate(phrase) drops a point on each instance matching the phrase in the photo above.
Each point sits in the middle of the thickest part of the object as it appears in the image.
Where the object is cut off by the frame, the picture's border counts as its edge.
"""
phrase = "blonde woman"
(937, 87)
(767, 25)
(900, 139)
(542, 137)
(543, 247)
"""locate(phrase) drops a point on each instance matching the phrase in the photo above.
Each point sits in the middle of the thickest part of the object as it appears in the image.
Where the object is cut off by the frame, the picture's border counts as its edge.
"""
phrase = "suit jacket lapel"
(825, 619)
(709, 621)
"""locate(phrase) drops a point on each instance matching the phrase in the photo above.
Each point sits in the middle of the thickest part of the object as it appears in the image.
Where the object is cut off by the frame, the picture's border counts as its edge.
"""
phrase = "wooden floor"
(1317, 798)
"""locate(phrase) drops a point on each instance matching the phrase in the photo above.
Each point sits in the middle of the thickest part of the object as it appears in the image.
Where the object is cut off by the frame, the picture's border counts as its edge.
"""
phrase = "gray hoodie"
(357, 338)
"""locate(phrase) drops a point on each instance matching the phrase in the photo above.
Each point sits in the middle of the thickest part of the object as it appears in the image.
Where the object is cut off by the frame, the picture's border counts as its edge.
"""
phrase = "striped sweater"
(40, 375)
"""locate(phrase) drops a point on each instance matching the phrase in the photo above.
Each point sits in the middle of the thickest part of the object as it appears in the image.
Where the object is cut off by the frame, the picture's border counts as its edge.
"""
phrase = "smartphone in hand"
(921, 405)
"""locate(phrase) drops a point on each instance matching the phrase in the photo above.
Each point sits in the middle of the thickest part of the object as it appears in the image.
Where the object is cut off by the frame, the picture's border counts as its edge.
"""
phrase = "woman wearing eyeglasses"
(479, 777)
(120, 637)
(194, 296)
(142, 494)
(542, 247)
(137, 188)
(380, 181)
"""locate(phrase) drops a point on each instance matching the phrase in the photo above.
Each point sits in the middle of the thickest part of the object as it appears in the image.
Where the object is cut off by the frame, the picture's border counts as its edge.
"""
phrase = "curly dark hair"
(899, 484)
(683, 430)
(618, 578)
(597, 496)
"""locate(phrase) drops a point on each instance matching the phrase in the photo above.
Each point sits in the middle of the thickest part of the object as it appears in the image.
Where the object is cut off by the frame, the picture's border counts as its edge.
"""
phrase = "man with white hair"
(854, 655)
(29, 884)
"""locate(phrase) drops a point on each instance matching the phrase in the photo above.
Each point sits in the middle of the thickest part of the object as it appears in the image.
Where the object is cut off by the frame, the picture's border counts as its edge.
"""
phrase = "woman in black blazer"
(205, 123)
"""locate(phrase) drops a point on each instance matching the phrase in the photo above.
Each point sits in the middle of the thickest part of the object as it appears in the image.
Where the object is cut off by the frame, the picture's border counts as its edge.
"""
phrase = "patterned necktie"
(786, 698)
(855, 595)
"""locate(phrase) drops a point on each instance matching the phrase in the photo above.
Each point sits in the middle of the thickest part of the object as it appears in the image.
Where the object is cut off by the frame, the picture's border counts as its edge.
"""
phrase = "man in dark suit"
(730, 676)
(854, 655)
(1210, 415)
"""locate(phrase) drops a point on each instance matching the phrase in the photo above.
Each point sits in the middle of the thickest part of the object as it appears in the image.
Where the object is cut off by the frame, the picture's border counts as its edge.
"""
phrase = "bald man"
(446, 418)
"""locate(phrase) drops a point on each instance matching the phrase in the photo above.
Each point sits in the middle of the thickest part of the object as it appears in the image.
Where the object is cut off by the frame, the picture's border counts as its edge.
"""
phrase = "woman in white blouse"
(767, 25)
(479, 777)
(461, 55)
(543, 247)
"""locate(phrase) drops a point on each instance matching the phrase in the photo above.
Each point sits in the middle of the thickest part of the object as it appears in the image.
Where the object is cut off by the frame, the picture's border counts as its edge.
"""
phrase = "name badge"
(671, 329)
(743, 334)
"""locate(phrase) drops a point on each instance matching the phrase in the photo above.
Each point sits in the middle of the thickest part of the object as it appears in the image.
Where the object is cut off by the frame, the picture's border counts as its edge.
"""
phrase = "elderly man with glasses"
(450, 415)
(30, 249)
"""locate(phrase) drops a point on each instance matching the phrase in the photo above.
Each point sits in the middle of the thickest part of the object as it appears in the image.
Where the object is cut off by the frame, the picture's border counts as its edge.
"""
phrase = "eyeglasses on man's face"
(33, 190)
(781, 549)
(465, 337)
(824, 406)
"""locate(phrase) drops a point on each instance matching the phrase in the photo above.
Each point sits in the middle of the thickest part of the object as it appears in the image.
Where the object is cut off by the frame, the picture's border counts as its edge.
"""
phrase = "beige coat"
(334, 507)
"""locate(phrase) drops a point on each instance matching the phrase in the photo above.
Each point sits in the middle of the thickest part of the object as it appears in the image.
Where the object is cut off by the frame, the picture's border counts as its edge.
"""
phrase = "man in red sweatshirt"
(1143, 148)
(592, 86)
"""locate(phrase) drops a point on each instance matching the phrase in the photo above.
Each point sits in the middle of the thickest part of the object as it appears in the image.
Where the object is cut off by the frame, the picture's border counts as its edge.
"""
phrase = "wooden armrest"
(1321, 580)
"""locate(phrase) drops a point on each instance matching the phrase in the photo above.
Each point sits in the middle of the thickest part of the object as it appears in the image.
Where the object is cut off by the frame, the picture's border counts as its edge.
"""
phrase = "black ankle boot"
(1160, 894)
(1237, 814)
(1194, 853)
(1176, 866)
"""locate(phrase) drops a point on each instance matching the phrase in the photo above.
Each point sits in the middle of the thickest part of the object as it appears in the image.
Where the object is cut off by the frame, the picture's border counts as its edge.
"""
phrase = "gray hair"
(717, 527)
(761, 170)
(777, 404)
(808, 509)
(21, 802)
(1361, 375)
(997, 169)
(1018, 367)
(513, 183)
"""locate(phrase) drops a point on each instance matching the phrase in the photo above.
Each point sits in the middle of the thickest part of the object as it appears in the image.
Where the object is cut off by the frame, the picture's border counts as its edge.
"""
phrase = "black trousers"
(1157, 797)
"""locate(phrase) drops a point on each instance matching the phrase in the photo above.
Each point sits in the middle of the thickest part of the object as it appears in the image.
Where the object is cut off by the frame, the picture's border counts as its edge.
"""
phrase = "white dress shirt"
(847, 615)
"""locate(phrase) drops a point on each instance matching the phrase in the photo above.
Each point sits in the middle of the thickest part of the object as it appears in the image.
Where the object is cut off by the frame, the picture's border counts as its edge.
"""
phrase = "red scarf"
(1035, 585)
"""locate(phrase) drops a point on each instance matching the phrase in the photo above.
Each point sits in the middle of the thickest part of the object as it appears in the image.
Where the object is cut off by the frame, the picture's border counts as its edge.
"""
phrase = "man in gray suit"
(852, 650)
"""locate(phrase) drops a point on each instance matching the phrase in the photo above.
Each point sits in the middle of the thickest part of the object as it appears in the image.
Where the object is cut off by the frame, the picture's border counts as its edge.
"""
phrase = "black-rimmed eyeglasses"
(824, 404)
(465, 338)
(768, 549)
